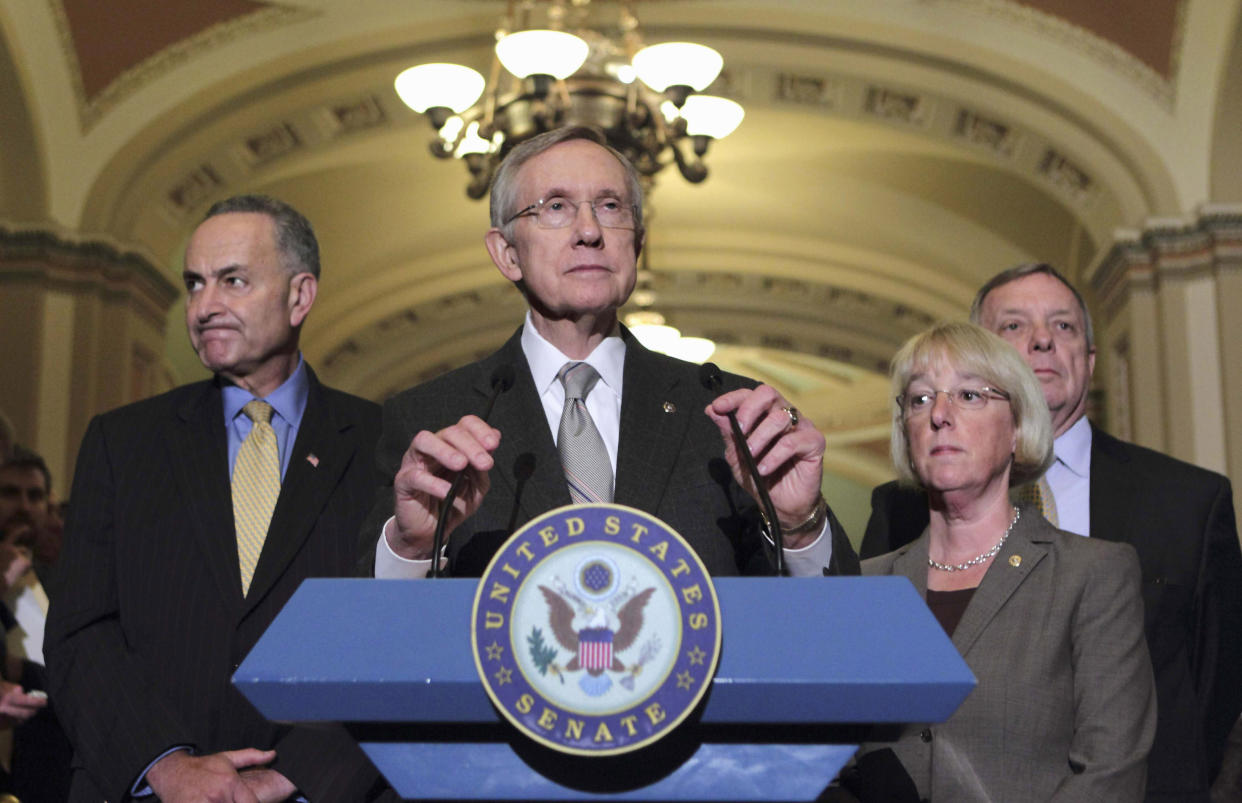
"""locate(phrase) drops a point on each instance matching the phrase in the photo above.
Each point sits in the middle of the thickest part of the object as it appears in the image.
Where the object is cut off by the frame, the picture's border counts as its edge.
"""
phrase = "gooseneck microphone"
(709, 377)
(501, 381)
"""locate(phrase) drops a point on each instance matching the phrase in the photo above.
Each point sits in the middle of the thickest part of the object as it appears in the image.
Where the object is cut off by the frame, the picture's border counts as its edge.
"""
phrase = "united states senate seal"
(596, 629)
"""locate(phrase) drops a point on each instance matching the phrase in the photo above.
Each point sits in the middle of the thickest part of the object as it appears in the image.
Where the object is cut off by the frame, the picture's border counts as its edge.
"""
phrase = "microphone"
(502, 379)
(709, 377)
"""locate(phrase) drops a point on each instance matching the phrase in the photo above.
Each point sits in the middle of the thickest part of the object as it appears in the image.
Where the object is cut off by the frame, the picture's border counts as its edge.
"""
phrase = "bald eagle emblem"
(595, 622)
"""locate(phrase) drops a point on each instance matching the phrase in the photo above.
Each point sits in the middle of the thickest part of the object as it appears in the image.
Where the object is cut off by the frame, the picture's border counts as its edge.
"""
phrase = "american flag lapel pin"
(313, 460)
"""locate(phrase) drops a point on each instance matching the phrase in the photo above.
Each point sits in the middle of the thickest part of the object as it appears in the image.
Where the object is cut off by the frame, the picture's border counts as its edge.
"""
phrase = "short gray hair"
(503, 201)
(972, 349)
(1026, 269)
(295, 238)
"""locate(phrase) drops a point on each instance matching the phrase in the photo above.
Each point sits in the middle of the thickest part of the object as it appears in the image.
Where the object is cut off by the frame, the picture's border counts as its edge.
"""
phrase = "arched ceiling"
(895, 153)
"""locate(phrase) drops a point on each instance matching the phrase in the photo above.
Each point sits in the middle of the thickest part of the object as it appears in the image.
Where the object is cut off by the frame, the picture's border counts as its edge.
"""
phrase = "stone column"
(1170, 335)
(81, 331)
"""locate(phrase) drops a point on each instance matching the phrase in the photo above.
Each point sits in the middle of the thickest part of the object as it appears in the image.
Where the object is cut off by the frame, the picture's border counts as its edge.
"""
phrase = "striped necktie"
(1039, 496)
(584, 458)
(256, 486)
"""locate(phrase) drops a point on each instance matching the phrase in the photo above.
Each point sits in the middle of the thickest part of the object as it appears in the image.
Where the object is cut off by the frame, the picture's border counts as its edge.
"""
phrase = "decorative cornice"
(45, 257)
(1169, 249)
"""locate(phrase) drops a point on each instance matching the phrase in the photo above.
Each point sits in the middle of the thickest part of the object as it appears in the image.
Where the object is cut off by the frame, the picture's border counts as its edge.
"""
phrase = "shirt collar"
(288, 401)
(545, 359)
(1073, 448)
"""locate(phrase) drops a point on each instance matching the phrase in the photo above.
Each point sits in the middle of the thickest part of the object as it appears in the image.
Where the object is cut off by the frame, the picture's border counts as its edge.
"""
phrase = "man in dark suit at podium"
(1179, 518)
(592, 415)
(194, 517)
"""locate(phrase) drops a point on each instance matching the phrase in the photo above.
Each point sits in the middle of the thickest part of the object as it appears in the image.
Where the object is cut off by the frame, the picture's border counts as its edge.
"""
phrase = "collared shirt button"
(926, 735)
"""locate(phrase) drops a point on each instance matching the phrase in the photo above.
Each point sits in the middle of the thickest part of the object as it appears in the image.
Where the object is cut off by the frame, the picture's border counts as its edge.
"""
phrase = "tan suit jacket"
(1065, 708)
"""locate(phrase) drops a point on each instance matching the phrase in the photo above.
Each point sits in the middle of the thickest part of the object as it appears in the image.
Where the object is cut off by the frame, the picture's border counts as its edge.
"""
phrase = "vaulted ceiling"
(895, 154)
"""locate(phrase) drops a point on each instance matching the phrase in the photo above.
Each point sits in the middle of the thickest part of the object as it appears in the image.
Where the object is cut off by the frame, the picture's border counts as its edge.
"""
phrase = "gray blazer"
(1065, 708)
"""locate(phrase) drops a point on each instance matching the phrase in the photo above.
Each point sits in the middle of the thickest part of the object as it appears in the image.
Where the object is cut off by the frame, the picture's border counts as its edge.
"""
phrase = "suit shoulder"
(882, 564)
(354, 406)
(1089, 551)
(1167, 469)
(439, 387)
(156, 406)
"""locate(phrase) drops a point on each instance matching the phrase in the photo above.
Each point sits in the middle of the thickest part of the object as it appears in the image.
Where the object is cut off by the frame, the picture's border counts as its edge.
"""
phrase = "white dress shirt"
(1069, 477)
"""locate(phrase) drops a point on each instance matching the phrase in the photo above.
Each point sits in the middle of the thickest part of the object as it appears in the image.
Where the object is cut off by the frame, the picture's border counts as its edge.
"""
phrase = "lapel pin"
(1015, 561)
(314, 461)
(669, 407)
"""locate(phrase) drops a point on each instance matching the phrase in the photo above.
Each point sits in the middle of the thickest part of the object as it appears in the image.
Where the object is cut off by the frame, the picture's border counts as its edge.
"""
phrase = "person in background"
(1051, 624)
(1179, 518)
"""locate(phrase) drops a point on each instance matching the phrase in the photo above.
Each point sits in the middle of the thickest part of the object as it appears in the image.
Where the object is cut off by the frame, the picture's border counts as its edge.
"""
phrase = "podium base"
(724, 772)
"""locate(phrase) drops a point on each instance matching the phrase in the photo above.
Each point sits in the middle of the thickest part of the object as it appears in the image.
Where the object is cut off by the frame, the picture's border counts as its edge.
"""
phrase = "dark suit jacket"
(1065, 708)
(670, 461)
(1180, 520)
(148, 622)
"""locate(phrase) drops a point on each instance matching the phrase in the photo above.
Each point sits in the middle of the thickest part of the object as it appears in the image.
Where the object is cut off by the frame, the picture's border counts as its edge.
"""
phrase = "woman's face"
(953, 447)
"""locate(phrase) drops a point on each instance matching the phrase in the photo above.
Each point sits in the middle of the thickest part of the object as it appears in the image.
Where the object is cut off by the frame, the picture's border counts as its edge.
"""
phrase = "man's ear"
(504, 255)
(303, 288)
(1091, 362)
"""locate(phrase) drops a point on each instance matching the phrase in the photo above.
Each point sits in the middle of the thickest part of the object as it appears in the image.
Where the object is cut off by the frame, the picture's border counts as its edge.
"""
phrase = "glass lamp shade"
(710, 116)
(540, 52)
(677, 64)
(439, 85)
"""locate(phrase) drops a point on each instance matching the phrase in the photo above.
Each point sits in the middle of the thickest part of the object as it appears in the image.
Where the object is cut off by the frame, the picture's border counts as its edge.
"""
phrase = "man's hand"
(213, 778)
(16, 706)
(268, 785)
(790, 457)
(15, 561)
(425, 476)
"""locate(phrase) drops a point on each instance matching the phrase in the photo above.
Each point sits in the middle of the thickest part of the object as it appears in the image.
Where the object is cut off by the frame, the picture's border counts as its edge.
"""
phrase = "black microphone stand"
(502, 380)
(709, 376)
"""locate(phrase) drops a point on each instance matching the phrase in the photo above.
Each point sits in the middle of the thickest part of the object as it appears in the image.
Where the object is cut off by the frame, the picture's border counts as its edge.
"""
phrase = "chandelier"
(553, 66)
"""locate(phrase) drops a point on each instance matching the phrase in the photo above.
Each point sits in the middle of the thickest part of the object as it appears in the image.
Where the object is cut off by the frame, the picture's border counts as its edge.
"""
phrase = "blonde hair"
(971, 349)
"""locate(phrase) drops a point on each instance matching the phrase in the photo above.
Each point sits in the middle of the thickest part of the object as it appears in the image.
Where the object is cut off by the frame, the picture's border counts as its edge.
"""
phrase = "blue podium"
(807, 667)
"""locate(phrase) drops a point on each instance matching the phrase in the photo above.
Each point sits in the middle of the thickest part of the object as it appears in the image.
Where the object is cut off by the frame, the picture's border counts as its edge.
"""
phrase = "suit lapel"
(1111, 491)
(526, 459)
(650, 434)
(1000, 582)
(199, 463)
(321, 454)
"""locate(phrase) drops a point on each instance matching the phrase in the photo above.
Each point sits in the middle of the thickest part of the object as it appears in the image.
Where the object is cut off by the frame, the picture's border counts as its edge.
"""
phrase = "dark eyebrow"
(227, 270)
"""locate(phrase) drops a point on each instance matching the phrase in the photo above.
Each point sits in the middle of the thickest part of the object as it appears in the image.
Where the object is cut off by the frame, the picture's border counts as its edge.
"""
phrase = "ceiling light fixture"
(543, 76)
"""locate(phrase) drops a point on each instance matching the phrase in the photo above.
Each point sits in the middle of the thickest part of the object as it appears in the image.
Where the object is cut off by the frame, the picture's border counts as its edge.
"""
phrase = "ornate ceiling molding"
(92, 108)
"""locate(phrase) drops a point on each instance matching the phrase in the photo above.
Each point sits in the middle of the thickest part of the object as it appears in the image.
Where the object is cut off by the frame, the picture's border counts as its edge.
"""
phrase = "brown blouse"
(948, 606)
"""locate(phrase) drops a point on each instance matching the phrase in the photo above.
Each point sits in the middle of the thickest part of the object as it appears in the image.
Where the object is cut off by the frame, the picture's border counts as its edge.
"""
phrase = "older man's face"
(242, 310)
(1041, 318)
(584, 268)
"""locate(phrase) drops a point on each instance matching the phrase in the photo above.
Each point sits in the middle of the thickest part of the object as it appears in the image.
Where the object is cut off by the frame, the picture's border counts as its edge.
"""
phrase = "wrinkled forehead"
(577, 169)
(1038, 295)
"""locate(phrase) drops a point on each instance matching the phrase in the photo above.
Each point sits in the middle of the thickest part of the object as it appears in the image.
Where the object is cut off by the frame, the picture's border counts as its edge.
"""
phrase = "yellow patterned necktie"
(256, 486)
(1039, 496)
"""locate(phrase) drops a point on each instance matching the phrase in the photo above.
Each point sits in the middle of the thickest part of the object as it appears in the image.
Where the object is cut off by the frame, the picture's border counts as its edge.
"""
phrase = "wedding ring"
(792, 412)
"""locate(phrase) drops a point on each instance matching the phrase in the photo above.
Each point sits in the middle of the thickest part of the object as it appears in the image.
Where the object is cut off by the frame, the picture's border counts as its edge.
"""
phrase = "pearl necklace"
(975, 561)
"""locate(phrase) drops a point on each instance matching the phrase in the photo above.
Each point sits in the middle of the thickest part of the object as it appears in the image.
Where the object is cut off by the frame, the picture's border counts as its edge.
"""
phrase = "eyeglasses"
(558, 213)
(964, 398)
